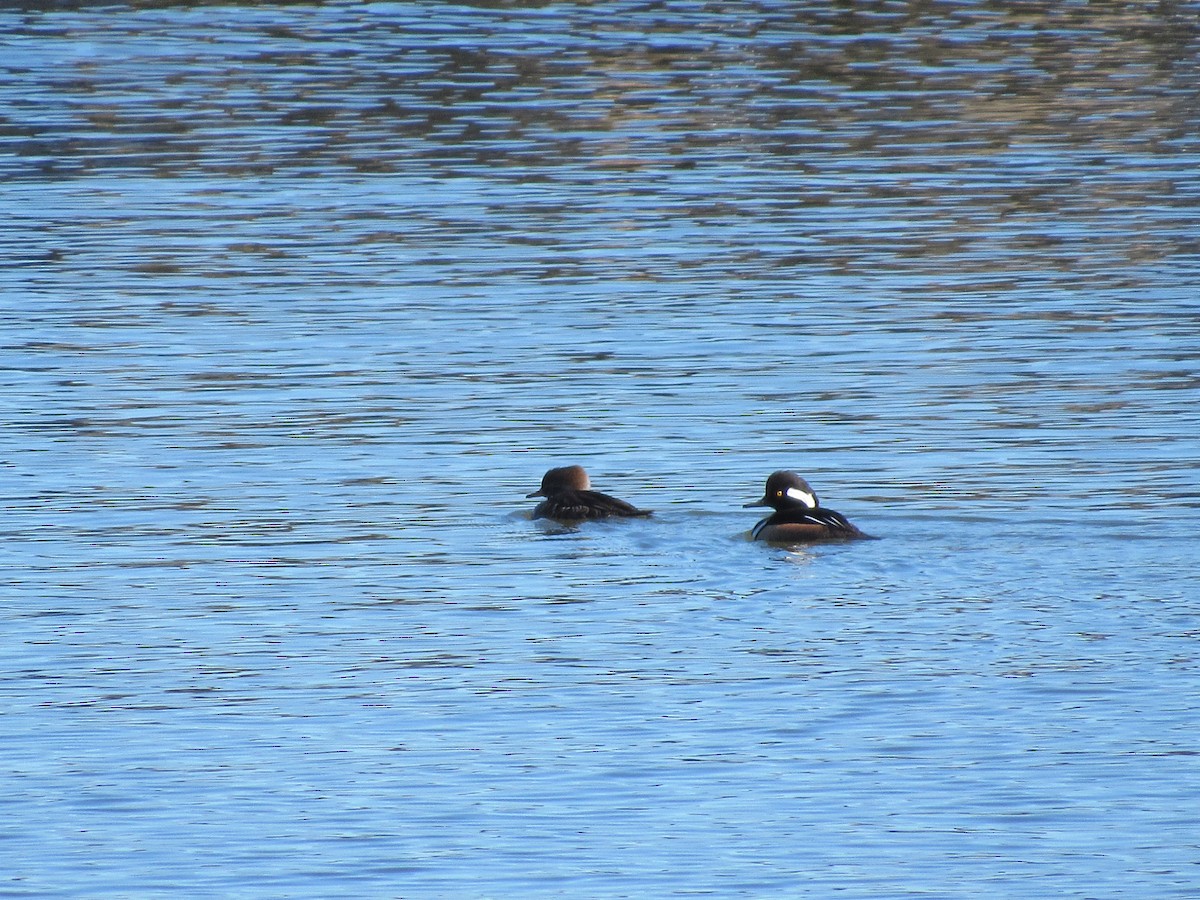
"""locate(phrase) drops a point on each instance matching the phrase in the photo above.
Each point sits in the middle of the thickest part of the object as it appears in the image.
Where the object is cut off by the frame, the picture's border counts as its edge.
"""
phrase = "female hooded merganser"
(568, 497)
(799, 516)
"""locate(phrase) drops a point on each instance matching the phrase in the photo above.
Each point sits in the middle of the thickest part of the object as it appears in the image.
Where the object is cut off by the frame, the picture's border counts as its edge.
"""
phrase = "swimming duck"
(799, 516)
(569, 497)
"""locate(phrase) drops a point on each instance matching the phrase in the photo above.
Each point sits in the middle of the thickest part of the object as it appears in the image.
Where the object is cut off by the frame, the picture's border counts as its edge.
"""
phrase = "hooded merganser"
(799, 516)
(568, 497)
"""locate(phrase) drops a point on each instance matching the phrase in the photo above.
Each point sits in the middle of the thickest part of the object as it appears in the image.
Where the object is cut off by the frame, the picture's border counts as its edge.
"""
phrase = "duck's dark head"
(787, 490)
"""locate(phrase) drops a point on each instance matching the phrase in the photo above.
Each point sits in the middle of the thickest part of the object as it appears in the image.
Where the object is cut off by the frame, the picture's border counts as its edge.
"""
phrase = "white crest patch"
(803, 496)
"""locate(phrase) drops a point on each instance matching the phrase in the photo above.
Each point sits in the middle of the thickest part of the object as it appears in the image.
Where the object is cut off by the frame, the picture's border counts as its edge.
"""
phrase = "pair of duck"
(798, 517)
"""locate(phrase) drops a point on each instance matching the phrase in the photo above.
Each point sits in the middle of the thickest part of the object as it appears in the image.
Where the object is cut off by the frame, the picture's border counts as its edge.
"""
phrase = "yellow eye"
(779, 493)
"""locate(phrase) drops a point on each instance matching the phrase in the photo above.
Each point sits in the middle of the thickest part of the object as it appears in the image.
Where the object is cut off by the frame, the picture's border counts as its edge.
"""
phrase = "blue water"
(300, 302)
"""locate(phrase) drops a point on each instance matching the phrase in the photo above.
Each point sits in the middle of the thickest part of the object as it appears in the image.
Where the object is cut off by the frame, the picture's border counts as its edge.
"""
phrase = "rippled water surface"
(301, 300)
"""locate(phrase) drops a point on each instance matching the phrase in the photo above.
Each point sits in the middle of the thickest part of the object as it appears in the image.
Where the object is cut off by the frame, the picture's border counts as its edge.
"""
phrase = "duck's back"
(805, 525)
(585, 505)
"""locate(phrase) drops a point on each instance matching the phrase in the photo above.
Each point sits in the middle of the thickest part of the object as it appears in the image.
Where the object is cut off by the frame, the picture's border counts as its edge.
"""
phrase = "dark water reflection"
(301, 300)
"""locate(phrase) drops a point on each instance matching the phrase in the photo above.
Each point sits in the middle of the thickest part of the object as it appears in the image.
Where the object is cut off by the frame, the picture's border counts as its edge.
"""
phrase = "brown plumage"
(569, 498)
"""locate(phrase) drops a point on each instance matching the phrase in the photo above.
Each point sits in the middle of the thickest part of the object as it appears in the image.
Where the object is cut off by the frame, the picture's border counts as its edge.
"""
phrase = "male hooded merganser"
(568, 497)
(799, 516)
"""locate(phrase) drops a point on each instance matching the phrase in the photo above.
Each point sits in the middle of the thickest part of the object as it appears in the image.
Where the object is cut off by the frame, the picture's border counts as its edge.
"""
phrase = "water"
(301, 301)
